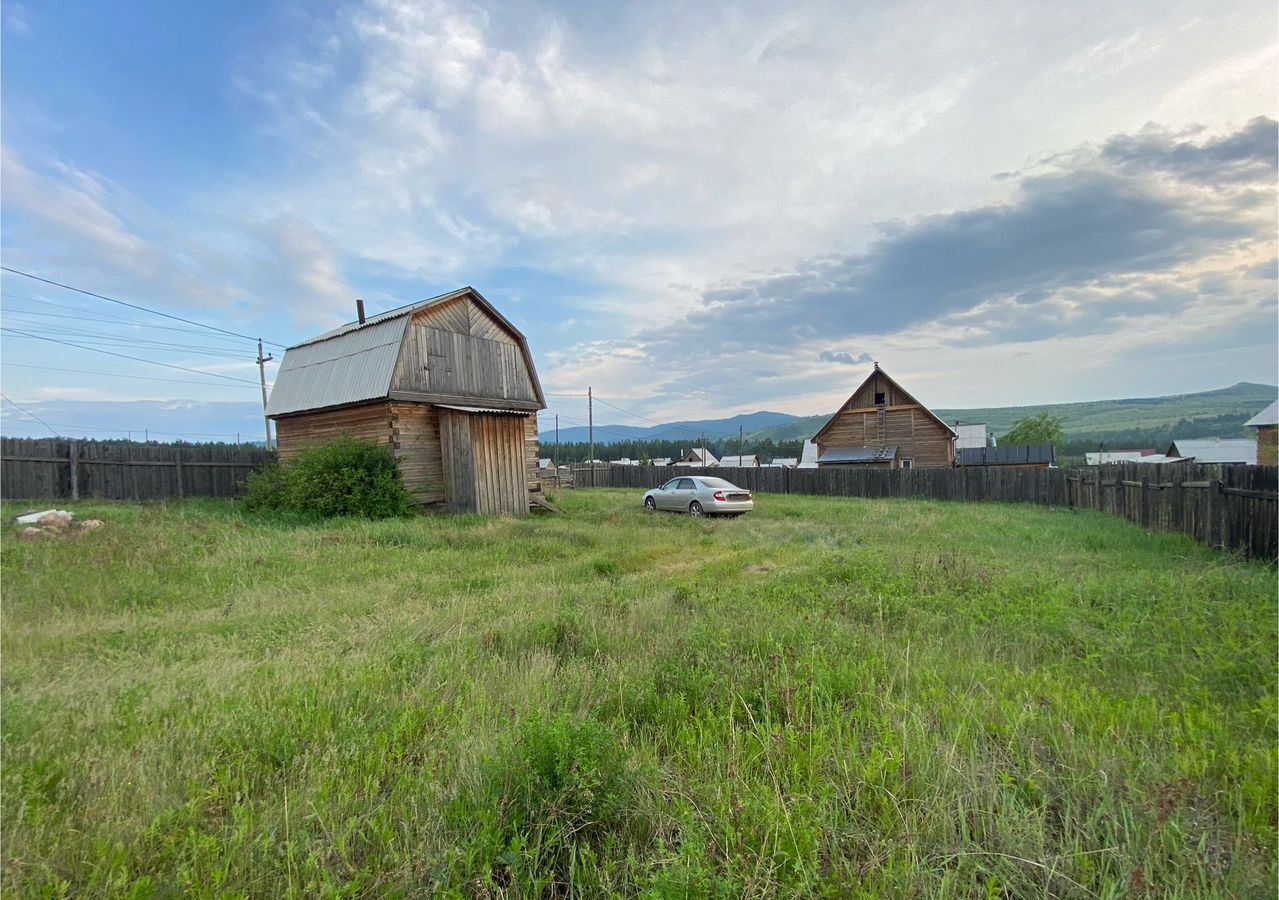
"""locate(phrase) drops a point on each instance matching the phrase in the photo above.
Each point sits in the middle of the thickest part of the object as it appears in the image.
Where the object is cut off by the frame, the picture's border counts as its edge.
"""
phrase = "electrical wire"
(133, 305)
(31, 414)
(10, 311)
(110, 374)
(126, 356)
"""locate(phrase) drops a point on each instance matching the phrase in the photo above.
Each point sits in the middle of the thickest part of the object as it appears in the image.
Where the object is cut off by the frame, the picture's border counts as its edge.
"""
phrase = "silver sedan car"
(700, 495)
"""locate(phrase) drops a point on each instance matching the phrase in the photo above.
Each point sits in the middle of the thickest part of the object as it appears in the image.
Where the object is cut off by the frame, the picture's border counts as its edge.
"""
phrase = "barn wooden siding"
(908, 426)
(484, 463)
(459, 353)
(50, 469)
(369, 422)
(1227, 506)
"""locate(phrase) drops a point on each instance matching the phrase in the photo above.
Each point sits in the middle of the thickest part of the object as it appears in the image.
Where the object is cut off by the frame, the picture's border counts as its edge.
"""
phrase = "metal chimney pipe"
(359, 309)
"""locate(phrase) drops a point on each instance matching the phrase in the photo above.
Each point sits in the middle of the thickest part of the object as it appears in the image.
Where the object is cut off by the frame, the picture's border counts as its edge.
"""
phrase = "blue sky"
(696, 210)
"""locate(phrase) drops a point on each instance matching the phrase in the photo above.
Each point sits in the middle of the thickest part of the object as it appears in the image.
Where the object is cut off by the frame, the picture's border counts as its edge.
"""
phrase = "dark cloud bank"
(1101, 234)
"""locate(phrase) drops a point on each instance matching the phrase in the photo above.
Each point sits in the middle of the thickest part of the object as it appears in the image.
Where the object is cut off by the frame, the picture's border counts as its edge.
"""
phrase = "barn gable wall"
(459, 351)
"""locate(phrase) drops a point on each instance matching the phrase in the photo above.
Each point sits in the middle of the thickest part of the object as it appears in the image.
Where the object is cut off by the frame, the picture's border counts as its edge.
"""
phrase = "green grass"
(825, 698)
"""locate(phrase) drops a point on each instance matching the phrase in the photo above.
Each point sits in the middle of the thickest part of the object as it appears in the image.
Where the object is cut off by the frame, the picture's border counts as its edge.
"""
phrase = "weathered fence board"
(1225, 506)
(48, 469)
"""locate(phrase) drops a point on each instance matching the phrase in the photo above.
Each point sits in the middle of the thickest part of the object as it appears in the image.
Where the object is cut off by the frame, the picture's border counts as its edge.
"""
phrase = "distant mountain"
(673, 431)
(1215, 413)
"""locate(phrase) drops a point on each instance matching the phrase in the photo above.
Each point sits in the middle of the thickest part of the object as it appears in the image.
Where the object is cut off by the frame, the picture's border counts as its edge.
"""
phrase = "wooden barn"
(883, 426)
(448, 384)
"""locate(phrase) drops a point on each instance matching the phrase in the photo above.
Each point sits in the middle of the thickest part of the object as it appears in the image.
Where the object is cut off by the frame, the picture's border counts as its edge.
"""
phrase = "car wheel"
(650, 504)
(694, 508)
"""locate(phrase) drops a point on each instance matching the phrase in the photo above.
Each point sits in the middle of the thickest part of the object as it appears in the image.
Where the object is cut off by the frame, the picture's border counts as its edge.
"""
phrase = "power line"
(131, 305)
(629, 413)
(31, 414)
(126, 356)
(109, 320)
(111, 374)
(100, 339)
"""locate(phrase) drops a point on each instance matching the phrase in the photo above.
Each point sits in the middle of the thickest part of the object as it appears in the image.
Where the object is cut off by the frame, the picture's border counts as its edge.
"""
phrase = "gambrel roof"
(356, 362)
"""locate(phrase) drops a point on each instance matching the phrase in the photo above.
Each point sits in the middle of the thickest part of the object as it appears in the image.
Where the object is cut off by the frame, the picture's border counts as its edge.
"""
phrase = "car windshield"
(719, 483)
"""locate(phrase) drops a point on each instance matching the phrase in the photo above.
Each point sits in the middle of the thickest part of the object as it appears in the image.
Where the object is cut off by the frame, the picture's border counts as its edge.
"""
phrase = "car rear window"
(719, 483)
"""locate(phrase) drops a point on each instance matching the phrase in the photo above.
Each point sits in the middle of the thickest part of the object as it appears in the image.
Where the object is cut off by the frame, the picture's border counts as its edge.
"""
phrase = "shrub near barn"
(346, 477)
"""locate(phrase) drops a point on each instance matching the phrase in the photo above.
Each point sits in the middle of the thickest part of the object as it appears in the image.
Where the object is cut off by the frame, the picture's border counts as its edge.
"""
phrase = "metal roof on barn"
(355, 362)
(349, 366)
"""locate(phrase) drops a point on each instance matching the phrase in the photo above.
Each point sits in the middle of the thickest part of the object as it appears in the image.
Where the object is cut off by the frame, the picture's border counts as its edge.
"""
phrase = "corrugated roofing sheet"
(383, 316)
(855, 455)
(485, 409)
(1034, 454)
(1216, 450)
(1268, 416)
(350, 367)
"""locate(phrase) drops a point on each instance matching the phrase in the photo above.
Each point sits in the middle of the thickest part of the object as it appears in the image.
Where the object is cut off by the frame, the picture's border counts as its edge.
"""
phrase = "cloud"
(1135, 236)
(1079, 240)
(1249, 155)
(843, 358)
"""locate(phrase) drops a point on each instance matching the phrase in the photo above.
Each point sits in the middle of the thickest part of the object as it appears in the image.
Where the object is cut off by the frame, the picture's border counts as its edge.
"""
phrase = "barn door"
(484, 462)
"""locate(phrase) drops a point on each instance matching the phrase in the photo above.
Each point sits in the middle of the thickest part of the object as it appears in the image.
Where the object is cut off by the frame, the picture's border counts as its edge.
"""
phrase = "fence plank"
(33, 469)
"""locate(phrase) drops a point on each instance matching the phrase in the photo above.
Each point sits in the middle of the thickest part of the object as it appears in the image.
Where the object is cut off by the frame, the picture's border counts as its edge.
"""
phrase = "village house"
(697, 457)
(739, 462)
(1214, 450)
(448, 384)
(1267, 424)
(881, 425)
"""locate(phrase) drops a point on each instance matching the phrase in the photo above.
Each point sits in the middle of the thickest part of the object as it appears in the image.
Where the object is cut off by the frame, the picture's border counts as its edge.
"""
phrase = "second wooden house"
(447, 383)
(882, 426)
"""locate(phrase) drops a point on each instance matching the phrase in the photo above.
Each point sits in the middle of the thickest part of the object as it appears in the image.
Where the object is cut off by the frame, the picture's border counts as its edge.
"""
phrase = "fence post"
(73, 453)
(177, 468)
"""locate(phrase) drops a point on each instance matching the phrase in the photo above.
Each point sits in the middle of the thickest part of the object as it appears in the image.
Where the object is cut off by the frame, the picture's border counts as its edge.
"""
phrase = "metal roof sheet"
(1033, 454)
(1216, 450)
(1268, 416)
(854, 455)
(349, 367)
(808, 455)
(738, 462)
(485, 409)
(383, 316)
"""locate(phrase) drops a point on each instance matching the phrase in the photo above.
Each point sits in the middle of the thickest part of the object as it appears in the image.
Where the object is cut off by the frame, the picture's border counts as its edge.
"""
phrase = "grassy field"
(825, 698)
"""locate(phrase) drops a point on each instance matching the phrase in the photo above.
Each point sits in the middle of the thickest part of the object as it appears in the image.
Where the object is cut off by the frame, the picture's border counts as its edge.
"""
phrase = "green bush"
(346, 477)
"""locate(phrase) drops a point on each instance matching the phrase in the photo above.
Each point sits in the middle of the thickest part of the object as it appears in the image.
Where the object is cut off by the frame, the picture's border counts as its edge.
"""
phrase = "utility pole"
(739, 443)
(557, 443)
(703, 459)
(590, 424)
(262, 361)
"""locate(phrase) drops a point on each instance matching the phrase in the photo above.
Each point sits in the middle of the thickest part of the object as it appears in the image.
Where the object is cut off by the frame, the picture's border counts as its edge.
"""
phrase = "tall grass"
(825, 698)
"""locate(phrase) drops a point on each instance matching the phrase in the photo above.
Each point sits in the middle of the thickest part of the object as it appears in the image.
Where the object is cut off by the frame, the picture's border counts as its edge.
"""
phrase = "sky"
(697, 210)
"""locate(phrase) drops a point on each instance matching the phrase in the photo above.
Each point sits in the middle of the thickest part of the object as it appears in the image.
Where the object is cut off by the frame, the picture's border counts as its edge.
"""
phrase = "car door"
(682, 495)
(662, 496)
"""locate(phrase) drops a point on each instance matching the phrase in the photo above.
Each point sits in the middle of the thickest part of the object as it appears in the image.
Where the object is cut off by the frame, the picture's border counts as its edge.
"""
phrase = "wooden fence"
(48, 469)
(1225, 506)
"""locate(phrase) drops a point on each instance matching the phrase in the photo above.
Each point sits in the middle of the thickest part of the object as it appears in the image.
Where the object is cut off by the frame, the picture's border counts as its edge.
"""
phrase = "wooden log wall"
(52, 469)
(1231, 507)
